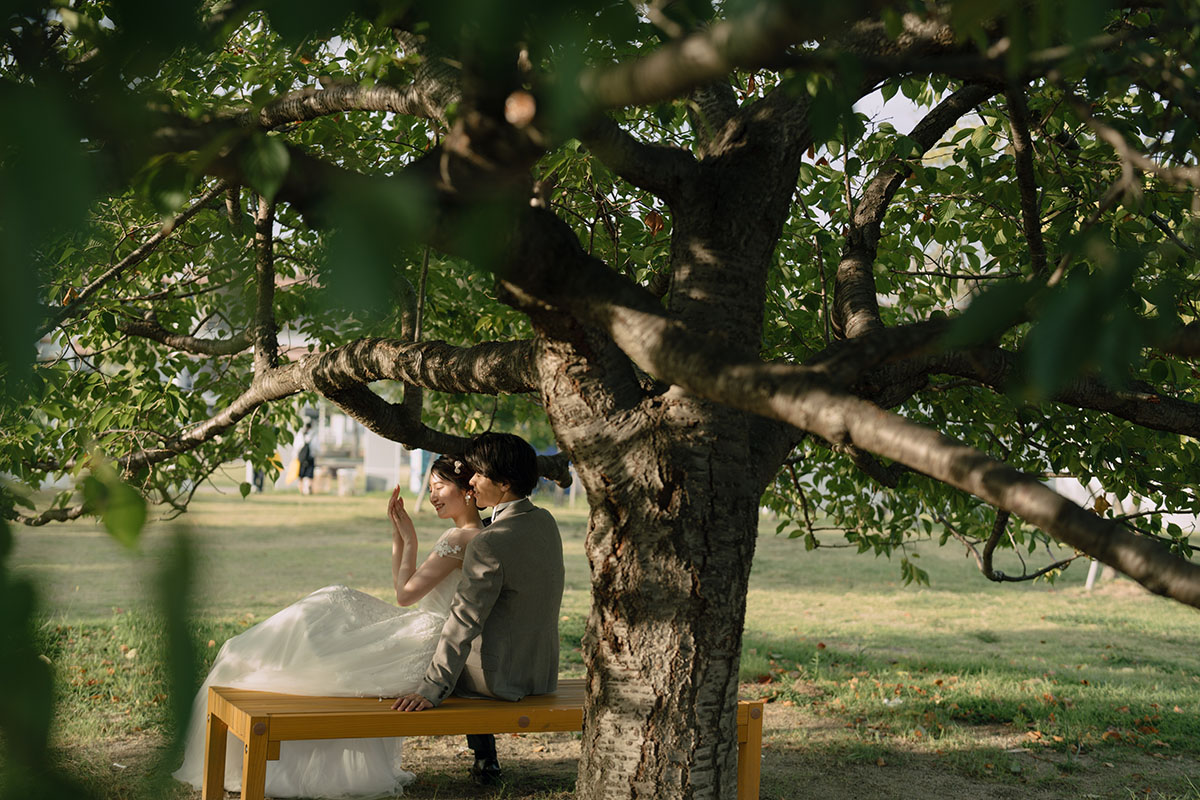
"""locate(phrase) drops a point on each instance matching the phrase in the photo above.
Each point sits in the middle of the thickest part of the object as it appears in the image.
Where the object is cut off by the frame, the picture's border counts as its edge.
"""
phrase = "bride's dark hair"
(452, 468)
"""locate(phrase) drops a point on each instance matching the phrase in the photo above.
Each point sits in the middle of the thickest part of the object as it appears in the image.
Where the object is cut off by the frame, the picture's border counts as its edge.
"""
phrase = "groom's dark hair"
(505, 458)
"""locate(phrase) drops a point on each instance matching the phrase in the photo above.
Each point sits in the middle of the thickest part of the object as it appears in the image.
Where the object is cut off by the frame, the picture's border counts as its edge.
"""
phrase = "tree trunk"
(673, 484)
(670, 542)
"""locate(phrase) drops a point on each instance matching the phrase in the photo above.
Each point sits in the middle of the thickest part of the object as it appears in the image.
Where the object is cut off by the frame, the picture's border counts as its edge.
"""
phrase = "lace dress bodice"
(438, 599)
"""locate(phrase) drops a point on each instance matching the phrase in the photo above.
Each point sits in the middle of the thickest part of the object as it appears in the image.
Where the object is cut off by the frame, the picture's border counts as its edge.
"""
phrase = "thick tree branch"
(657, 168)
(1138, 403)
(435, 87)
(311, 103)
(846, 360)
(880, 55)
(855, 302)
(395, 422)
(711, 109)
(796, 397)
(341, 375)
(486, 368)
(757, 39)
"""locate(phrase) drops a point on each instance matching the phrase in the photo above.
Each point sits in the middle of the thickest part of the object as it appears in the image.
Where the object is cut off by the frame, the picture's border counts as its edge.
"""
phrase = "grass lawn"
(960, 690)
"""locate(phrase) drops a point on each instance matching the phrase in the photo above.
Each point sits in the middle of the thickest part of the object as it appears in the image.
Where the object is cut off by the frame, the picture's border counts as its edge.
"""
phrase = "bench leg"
(214, 758)
(749, 769)
(254, 762)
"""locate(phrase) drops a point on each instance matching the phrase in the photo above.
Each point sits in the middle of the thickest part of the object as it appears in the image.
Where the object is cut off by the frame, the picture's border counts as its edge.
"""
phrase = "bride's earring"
(470, 498)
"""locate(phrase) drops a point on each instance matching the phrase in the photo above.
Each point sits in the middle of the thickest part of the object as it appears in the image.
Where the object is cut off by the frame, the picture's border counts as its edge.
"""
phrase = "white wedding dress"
(337, 642)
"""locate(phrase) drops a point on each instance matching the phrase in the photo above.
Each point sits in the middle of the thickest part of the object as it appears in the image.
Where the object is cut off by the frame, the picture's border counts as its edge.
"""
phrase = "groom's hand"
(411, 702)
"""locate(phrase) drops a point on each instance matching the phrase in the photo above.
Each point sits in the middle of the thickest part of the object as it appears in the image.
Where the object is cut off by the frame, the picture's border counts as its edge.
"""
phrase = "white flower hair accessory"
(457, 466)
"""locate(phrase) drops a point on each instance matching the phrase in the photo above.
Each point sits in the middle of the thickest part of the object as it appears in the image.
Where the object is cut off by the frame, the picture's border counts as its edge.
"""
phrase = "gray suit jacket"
(501, 638)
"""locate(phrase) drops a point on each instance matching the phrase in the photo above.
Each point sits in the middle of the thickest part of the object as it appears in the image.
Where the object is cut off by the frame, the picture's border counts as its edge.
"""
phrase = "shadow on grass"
(922, 700)
(795, 769)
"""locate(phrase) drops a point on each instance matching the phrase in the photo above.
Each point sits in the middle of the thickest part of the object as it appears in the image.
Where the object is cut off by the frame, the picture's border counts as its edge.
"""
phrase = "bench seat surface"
(291, 717)
(262, 720)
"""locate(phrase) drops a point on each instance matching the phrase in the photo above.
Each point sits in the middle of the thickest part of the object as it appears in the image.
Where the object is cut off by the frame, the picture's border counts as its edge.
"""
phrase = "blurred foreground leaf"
(121, 508)
(174, 592)
(27, 702)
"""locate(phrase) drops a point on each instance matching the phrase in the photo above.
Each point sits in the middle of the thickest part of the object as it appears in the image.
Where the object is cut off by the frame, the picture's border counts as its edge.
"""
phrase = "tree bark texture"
(673, 481)
(670, 542)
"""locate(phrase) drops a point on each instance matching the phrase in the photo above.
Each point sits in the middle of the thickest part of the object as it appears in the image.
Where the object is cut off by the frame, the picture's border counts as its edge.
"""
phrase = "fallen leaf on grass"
(879, 762)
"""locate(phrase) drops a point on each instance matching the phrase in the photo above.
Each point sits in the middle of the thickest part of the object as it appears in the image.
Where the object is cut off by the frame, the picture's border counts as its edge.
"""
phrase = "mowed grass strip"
(1017, 684)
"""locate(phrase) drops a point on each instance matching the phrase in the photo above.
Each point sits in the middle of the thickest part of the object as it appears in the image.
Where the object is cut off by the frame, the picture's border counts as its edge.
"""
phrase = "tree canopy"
(670, 231)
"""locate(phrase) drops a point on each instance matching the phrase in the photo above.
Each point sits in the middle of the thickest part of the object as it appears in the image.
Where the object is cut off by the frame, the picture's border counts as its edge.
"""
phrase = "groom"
(501, 638)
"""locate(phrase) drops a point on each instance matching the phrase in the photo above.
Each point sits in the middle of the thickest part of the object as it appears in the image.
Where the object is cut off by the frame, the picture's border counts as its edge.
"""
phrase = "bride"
(338, 641)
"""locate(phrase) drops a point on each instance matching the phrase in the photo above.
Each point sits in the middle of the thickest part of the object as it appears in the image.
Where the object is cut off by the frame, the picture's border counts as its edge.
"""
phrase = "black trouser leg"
(484, 745)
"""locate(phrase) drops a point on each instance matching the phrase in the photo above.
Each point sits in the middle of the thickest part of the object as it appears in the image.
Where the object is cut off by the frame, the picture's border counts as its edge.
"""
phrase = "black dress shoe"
(486, 771)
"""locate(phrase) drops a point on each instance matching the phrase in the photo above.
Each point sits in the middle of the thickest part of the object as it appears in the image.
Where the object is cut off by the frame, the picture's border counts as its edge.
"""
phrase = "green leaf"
(244, 489)
(169, 186)
(893, 23)
(906, 147)
(1058, 345)
(122, 508)
(983, 137)
(989, 315)
(265, 161)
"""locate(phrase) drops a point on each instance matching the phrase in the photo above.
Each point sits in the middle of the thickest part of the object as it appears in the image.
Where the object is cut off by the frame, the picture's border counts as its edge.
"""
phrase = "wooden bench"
(261, 720)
